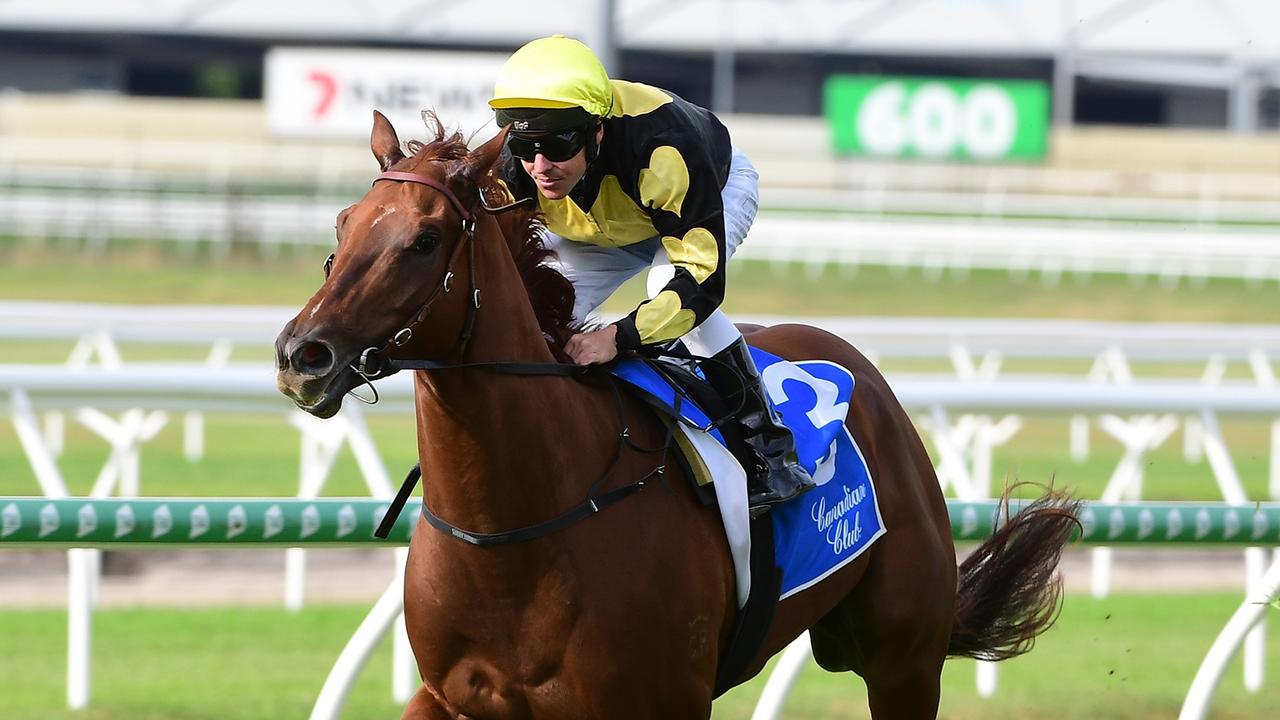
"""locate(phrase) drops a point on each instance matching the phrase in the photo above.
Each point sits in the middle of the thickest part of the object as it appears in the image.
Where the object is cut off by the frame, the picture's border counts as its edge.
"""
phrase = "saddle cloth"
(816, 533)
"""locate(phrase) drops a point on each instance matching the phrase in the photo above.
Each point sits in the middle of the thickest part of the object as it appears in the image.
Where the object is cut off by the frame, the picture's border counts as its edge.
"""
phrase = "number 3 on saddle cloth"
(816, 533)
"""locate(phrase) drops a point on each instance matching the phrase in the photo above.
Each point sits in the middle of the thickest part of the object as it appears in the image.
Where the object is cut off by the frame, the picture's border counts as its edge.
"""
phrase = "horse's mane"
(550, 292)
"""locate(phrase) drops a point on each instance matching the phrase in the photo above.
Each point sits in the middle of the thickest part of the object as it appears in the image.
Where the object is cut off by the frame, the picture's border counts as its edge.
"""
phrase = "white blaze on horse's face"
(385, 212)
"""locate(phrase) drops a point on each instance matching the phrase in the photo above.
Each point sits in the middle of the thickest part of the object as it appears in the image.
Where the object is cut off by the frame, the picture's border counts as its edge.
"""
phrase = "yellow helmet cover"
(554, 72)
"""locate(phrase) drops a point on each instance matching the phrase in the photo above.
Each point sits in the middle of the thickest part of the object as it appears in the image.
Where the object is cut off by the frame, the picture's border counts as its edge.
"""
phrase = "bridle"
(374, 362)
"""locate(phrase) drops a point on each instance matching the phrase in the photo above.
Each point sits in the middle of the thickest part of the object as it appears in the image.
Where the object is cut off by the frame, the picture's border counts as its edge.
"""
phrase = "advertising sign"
(938, 118)
(319, 92)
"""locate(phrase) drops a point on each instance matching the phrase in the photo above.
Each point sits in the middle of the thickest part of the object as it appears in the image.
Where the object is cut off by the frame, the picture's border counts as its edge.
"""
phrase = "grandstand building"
(1192, 63)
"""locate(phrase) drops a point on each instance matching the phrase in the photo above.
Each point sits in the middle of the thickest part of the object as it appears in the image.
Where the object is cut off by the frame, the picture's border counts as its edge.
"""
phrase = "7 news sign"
(327, 92)
(938, 118)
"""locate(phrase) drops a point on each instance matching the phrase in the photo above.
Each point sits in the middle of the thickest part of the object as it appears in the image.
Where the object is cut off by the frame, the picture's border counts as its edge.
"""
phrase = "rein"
(374, 364)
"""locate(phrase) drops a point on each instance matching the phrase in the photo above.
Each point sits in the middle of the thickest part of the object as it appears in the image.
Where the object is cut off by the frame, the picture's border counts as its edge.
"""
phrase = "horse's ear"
(384, 143)
(482, 158)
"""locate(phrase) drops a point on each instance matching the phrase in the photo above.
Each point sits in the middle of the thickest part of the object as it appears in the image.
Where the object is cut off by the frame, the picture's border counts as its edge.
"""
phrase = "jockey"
(629, 177)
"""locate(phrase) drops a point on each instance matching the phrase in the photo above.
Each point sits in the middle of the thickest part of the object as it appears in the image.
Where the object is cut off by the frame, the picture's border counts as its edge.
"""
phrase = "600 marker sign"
(938, 118)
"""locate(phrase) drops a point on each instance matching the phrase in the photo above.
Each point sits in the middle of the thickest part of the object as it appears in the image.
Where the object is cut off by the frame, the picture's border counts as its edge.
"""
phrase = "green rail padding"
(285, 522)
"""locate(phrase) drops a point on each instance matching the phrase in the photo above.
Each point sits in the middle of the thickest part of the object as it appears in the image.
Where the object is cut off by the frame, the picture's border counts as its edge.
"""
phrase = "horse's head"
(399, 283)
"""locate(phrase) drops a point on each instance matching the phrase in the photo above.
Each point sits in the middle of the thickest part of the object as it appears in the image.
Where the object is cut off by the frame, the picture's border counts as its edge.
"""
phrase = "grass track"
(154, 275)
(1121, 658)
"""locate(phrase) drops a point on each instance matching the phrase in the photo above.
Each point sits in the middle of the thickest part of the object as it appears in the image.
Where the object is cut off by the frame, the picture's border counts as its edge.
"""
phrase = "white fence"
(1052, 250)
(1090, 199)
(1154, 410)
(877, 336)
(976, 349)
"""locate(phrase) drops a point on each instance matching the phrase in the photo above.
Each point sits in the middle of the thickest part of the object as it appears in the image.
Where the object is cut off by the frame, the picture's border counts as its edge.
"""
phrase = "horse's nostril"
(312, 358)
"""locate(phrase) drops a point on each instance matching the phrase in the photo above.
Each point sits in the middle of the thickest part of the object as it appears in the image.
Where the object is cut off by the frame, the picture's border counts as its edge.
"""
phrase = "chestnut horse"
(624, 612)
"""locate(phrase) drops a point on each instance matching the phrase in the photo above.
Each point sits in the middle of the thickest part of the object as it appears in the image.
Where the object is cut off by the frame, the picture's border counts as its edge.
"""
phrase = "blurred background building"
(1100, 110)
(1197, 63)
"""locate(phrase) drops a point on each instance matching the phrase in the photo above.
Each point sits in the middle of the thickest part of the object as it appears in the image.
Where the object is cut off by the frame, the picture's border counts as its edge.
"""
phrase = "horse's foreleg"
(424, 706)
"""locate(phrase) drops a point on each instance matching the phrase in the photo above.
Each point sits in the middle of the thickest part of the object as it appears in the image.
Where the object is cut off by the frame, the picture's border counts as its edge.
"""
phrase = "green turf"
(161, 274)
(207, 664)
(1125, 657)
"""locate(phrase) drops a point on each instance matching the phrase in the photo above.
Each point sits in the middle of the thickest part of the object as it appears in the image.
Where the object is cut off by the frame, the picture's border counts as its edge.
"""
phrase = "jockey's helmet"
(551, 84)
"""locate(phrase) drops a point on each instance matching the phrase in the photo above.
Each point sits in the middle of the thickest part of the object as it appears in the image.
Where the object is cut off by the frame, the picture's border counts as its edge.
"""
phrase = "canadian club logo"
(833, 521)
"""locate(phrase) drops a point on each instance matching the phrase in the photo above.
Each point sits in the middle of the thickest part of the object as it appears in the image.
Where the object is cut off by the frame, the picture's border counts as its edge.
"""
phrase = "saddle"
(692, 393)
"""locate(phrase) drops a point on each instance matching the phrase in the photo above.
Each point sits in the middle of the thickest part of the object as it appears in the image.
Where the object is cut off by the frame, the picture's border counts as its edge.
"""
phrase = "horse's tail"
(1008, 590)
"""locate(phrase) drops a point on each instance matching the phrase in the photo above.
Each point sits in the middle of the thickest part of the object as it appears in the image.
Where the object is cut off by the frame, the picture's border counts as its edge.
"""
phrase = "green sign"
(938, 118)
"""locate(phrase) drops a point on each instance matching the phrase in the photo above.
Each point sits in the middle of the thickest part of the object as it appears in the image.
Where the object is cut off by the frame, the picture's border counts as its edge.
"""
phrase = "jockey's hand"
(593, 348)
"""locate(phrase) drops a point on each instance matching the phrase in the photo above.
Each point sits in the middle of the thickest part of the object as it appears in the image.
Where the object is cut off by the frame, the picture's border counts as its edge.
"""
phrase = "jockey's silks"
(659, 173)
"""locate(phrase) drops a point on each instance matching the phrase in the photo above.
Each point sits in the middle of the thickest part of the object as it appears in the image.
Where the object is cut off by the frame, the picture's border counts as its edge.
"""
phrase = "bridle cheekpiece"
(373, 360)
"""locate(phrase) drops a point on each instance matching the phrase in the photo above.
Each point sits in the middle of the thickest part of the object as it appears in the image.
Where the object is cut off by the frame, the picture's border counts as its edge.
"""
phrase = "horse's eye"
(427, 241)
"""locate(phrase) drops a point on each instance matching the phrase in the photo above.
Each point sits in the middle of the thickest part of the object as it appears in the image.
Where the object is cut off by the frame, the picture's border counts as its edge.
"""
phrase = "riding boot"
(776, 475)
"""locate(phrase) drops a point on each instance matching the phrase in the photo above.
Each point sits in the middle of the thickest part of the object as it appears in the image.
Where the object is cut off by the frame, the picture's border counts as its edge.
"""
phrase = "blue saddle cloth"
(826, 528)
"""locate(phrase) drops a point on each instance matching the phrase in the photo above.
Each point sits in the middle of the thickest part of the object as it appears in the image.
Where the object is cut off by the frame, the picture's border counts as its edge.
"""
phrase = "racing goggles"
(555, 147)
